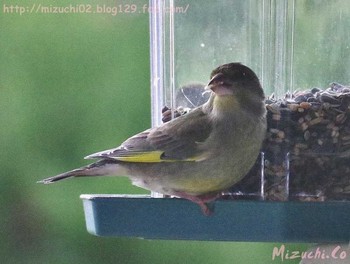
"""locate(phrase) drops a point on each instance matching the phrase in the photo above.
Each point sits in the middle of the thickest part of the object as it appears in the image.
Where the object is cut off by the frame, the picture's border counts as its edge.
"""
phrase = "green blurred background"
(71, 85)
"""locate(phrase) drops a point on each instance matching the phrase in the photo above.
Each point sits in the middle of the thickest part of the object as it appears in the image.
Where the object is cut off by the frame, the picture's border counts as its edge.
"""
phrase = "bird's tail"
(100, 168)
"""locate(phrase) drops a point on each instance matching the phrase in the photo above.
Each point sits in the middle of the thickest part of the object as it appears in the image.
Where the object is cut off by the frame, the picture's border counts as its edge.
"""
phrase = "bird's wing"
(181, 139)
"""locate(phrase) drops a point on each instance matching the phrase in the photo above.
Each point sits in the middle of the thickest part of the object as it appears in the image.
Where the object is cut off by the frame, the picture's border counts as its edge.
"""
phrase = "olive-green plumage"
(198, 155)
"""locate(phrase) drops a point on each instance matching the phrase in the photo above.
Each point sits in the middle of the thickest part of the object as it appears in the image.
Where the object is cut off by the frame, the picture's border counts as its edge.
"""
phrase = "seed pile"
(307, 146)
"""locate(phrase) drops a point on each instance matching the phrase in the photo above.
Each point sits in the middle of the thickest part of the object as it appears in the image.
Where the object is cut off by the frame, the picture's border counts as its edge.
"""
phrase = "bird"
(198, 155)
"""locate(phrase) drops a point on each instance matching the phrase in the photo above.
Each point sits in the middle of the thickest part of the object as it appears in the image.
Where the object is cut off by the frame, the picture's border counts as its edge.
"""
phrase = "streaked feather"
(178, 140)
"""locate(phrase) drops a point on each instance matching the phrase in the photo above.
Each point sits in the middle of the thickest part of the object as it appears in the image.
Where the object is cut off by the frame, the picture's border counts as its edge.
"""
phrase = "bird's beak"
(215, 79)
(218, 86)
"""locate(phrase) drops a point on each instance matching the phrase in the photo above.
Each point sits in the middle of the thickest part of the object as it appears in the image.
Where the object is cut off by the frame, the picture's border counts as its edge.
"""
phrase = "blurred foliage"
(74, 84)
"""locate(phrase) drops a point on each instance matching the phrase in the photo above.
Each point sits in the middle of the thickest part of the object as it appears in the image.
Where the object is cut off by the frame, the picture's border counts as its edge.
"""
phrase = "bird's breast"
(225, 103)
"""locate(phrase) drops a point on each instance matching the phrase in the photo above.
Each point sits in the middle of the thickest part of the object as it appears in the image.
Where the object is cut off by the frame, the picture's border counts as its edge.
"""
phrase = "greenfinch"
(200, 154)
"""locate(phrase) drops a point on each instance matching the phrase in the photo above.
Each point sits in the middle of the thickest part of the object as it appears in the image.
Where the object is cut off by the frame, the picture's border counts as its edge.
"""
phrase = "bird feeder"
(299, 188)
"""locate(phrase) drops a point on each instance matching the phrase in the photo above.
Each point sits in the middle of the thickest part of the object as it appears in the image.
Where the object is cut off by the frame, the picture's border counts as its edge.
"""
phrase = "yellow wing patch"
(152, 156)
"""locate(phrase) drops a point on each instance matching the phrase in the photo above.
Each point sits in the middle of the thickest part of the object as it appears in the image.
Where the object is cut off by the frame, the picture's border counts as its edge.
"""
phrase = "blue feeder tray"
(172, 218)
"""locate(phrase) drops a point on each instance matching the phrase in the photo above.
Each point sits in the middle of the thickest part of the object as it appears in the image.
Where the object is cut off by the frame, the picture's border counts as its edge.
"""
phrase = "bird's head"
(234, 78)
(235, 85)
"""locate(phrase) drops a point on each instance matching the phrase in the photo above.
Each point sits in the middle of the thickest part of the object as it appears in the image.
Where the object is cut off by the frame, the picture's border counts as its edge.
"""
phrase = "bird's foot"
(201, 200)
